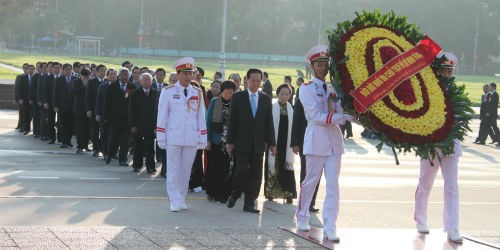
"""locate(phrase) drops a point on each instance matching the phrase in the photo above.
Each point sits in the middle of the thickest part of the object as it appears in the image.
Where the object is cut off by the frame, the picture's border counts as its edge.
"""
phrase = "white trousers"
(314, 169)
(449, 170)
(179, 161)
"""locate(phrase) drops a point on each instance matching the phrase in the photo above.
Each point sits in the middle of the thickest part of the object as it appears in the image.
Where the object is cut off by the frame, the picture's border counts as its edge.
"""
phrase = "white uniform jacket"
(181, 119)
(323, 136)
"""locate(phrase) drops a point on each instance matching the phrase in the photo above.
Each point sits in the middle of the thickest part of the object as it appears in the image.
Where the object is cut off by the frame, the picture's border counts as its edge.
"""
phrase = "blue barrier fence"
(211, 55)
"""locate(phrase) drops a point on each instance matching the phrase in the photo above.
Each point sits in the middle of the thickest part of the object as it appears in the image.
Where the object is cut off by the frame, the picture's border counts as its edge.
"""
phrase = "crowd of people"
(224, 140)
(113, 113)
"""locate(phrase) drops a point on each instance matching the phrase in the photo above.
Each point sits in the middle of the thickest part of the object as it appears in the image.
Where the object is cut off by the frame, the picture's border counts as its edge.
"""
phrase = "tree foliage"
(287, 27)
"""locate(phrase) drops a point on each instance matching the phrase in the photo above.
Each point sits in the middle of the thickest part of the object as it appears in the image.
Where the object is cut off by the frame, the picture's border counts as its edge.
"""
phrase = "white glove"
(351, 118)
(161, 145)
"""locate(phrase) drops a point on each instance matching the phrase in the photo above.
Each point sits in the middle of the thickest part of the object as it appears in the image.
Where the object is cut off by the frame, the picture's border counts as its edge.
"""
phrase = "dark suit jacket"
(63, 99)
(493, 106)
(17, 87)
(91, 94)
(39, 88)
(48, 90)
(34, 88)
(78, 94)
(268, 88)
(25, 88)
(299, 125)
(116, 105)
(101, 96)
(244, 130)
(142, 111)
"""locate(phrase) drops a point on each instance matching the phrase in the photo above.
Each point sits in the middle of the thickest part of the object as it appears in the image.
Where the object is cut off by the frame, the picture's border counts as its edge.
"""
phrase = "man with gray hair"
(142, 111)
(116, 115)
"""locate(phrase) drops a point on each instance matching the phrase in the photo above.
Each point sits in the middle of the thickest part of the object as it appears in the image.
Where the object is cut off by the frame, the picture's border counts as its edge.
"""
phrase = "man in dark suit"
(492, 112)
(35, 109)
(288, 80)
(82, 123)
(250, 131)
(99, 110)
(26, 82)
(267, 87)
(18, 98)
(48, 99)
(90, 103)
(39, 98)
(483, 130)
(63, 105)
(299, 126)
(142, 111)
(116, 114)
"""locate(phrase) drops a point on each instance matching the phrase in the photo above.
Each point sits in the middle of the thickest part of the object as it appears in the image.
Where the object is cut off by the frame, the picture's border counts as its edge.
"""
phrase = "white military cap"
(185, 64)
(318, 53)
(451, 60)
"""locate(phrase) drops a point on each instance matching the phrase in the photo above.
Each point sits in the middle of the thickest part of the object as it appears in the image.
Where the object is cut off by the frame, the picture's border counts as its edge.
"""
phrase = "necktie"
(185, 92)
(67, 80)
(124, 87)
(253, 104)
(147, 92)
(324, 86)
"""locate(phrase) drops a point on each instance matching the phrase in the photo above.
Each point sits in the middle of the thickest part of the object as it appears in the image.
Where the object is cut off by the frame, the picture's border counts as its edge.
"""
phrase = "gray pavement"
(52, 198)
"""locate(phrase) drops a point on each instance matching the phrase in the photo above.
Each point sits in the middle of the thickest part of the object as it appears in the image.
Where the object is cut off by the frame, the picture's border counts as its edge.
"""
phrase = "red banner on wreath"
(393, 73)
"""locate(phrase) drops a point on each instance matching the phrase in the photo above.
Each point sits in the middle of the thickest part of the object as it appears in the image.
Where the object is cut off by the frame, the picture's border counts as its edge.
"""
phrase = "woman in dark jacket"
(218, 177)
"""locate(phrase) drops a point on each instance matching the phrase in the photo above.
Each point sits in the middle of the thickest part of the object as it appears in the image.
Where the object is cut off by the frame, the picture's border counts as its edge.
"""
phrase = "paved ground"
(51, 198)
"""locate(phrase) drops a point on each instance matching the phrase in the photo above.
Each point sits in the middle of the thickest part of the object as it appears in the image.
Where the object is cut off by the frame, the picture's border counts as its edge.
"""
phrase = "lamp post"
(140, 32)
(320, 15)
(475, 44)
(222, 55)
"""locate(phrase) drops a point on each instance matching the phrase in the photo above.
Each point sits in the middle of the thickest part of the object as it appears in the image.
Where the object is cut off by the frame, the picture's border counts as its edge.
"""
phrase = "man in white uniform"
(181, 130)
(449, 170)
(323, 142)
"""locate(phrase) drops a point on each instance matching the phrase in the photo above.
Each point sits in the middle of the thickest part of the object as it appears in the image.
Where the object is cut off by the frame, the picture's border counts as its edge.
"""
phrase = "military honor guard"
(323, 142)
(181, 130)
(449, 169)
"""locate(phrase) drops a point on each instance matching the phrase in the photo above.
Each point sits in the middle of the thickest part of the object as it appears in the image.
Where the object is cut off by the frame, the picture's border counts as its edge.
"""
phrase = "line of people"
(113, 113)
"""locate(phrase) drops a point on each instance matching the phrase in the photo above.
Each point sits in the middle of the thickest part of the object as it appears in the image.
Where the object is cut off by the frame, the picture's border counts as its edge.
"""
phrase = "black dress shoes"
(95, 154)
(123, 163)
(63, 146)
(231, 202)
(107, 159)
(313, 209)
(479, 143)
(70, 145)
(51, 142)
(79, 151)
(251, 210)
(26, 132)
